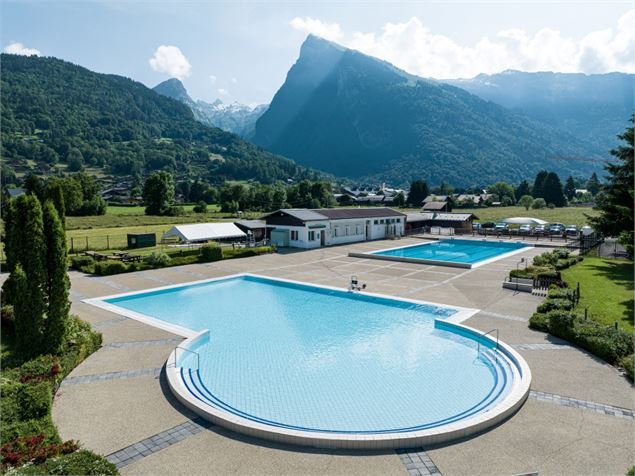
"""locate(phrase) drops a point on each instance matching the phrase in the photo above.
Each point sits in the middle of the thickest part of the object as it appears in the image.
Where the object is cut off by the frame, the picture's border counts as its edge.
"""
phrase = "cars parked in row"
(553, 229)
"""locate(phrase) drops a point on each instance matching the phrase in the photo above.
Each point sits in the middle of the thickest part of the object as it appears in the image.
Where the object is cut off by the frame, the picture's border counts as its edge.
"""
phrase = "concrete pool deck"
(578, 420)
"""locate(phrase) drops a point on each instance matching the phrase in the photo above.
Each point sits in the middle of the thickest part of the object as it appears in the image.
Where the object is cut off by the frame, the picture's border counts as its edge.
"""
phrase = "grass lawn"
(566, 215)
(606, 289)
(132, 218)
(140, 210)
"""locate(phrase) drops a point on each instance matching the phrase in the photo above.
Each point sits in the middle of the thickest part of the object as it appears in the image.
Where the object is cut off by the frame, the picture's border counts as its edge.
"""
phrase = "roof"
(251, 224)
(302, 214)
(15, 192)
(205, 231)
(435, 198)
(435, 205)
(344, 213)
(415, 217)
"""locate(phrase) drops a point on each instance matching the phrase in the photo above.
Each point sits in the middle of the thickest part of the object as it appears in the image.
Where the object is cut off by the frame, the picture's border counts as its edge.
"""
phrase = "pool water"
(317, 359)
(454, 250)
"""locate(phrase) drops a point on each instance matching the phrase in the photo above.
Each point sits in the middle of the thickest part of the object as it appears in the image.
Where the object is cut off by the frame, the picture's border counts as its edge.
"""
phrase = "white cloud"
(169, 59)
(16, 48)
(234, 80)
(222, 91)
(412, 46)
(328, 31)
(212, 78)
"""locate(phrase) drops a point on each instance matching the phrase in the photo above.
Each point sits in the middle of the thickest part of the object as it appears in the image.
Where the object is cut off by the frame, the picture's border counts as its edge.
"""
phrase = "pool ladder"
(198, 357)
(478, 343)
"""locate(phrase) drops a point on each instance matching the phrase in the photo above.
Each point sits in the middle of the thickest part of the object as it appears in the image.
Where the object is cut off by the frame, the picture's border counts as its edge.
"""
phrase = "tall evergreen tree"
(569, 188)
(553, 192)
(57, 282)
(538, 190)
(418, 192)
(615, 201)
(593, 184)
(55, 193)
(522, 190)
(28, 276)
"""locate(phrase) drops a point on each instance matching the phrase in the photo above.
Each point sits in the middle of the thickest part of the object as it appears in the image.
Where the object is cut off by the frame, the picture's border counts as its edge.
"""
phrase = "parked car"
(540, 229)
(488, 224)
(524, 230)
(556, 229)
(572, 230)
(500, 227)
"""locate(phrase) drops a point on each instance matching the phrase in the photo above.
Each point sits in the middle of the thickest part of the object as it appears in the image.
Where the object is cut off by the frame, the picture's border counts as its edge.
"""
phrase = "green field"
(124, 217)
(566, 215)
(606, 289)
(140, 210)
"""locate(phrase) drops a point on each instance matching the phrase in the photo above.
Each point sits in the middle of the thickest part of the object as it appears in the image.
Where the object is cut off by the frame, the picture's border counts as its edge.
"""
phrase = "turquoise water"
(457, 251)
(303, 357)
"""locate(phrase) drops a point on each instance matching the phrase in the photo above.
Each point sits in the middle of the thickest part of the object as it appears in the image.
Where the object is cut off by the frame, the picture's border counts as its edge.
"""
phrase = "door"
(322, 237)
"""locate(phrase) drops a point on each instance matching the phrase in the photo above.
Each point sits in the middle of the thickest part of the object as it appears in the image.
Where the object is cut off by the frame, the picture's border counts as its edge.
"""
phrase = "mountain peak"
(173, 88)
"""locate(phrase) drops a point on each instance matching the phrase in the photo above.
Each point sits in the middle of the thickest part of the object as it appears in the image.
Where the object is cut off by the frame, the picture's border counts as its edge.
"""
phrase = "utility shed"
(199, 232)
(141, 240)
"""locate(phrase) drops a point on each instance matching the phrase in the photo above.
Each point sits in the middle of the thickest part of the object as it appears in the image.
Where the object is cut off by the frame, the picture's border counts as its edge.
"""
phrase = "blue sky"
(242, 50)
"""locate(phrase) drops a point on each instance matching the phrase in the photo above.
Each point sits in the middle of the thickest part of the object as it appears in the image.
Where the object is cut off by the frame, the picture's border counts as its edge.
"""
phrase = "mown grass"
(606, 289)
(131, 218)
(566, 215)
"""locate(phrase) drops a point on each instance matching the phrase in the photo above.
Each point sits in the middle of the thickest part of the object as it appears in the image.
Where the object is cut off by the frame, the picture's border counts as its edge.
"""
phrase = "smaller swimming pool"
(451, 252)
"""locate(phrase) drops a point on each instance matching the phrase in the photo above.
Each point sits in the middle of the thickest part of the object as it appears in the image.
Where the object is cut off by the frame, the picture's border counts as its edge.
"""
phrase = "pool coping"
(450, 264)
(443, 434)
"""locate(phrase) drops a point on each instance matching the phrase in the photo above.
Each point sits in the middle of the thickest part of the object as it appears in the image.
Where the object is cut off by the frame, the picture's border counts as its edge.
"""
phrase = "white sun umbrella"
(524, 221)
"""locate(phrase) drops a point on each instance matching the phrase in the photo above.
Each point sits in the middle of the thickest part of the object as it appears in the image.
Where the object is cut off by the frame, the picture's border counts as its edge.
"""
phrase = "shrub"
(555, 304)
(538, 204)
(34, 400)
(539, 321)
(158, 259)
(604, 341)
(627, 363)
(81, 262)
(200, 207)
(108, 267)
(561, 324)
(211, 253)
(548, 274)
(10, 430)
(6, 317)
(175, 211)
(561, 293)
(79, 463)
(34, 449)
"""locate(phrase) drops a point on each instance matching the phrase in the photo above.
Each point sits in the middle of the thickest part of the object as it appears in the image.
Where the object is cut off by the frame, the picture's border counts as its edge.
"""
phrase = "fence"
(585, 243)
(79, 244)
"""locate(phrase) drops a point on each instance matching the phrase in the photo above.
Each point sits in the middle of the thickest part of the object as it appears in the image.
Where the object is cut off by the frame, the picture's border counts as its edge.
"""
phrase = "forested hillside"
(356, 116)
(56, 112)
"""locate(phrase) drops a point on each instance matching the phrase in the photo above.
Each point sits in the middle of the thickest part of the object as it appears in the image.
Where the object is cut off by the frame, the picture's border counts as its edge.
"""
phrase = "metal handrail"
(198, 357)
(478, 343)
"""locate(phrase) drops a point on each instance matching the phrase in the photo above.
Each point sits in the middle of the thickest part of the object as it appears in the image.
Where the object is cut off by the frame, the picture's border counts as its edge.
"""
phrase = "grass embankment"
(30, 441)
(606, 290)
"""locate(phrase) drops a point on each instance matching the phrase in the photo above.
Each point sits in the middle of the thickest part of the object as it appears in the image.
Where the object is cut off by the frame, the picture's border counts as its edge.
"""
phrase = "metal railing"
(198, 357)
(478, 343)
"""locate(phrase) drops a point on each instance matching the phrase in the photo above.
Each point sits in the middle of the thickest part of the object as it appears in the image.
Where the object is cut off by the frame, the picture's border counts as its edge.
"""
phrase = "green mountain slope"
(594, 108)
(54, 111)
(356, 116)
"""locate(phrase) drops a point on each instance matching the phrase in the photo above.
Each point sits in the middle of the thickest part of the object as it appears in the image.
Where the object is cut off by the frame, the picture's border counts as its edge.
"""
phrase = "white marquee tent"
(204, 232)
(524, 221)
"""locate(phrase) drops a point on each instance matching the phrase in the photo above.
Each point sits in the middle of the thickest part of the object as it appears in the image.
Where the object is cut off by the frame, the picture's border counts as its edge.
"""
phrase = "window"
(376, 222)
(311, 236)
(381, 222)
(336, 231)
(347, 231)
(294, 234)
(358, 230)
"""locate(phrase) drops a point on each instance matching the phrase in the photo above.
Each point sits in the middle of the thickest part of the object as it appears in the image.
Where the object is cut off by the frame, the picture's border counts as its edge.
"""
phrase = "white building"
(304, 228)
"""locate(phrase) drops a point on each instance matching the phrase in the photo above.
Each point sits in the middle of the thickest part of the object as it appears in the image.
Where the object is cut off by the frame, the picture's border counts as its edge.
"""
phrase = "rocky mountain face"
(235, 117)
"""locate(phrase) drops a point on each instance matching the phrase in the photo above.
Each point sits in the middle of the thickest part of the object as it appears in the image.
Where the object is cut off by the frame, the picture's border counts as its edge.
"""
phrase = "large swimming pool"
(293, 357)
(456, 251)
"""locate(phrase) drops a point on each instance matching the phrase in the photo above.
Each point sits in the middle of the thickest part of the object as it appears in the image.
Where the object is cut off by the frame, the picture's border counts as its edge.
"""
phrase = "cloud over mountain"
(169, 59)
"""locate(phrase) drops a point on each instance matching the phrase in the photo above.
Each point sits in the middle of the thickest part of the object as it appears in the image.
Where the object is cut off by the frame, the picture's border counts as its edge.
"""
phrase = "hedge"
(211, 253)
(627, 363)
(80, 262)
(108, 267)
